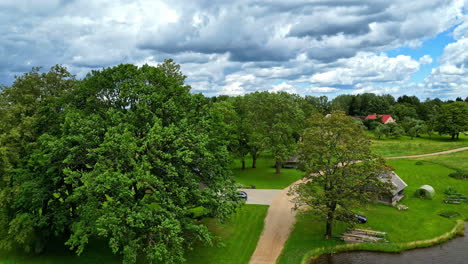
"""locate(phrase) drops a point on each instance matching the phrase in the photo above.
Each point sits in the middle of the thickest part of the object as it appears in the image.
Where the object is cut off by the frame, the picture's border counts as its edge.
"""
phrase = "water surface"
(454, 251)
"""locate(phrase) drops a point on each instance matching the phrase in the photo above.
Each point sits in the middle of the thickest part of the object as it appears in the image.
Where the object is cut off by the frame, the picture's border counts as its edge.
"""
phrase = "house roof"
(384, 117)
(395, 180)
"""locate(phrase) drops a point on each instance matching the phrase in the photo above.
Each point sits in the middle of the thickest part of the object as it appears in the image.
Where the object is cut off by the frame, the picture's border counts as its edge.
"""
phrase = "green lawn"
(239, 236)
(264, 177)
(404, 146)
(420, 222)
(59, 254)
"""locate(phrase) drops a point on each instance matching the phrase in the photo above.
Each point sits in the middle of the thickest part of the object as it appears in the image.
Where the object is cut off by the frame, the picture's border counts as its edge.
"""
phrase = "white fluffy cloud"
(450, 78)
(234, 47)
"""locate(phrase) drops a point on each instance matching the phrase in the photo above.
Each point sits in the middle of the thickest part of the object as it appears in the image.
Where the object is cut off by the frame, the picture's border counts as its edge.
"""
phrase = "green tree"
(379, 130)
(128, 155)
(31, 107)
(401, 111)
(276, 119)
(337, 183)
(452, 119)
(414, 127)
(393, 130)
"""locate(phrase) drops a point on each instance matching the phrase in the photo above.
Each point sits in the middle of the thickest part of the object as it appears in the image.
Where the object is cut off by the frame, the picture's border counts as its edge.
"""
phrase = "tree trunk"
(330, 218)
(243, 164)
(278, 167)
(328, 232)
(453, 136)
(254, 161)
(458, 134)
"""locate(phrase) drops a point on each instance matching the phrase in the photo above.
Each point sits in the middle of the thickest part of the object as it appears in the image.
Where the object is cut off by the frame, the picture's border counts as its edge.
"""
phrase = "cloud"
(426, 59)
(283, 87)
(450, 79)
(368, 68)
(240, 46)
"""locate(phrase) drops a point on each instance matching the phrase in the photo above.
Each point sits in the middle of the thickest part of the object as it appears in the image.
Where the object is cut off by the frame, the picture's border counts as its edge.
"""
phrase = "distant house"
(396, 193)
(291, 163)
(385, 118)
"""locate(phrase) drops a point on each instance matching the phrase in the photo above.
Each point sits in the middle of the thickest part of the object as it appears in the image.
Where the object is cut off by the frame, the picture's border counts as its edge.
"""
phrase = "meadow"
(405, 146)
(420, 222)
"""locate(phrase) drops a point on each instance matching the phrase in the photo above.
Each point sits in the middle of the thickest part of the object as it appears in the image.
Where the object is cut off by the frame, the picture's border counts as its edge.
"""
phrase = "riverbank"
(457, 230)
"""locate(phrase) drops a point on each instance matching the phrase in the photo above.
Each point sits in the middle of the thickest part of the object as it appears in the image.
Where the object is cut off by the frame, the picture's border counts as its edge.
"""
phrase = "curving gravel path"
(430, 154)
(278, 225)
(280, 219)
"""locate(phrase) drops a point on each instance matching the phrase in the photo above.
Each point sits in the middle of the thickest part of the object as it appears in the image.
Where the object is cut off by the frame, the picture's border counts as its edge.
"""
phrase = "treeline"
(129, 155)
(412, 116)
(264, 122)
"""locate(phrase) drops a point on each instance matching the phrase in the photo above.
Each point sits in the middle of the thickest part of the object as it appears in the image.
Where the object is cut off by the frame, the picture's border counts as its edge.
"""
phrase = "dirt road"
(278, 225)
(260, 196)
(430, 154)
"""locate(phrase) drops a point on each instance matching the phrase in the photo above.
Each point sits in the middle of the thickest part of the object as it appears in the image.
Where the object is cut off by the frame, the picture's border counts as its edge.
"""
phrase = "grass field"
(264, 177)
(404, 146)
(420, 222)
(239, 236)
(96, 253)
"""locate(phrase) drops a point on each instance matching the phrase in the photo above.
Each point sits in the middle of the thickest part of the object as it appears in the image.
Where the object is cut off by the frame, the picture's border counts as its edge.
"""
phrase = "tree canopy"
(120, 155)
(341, 170)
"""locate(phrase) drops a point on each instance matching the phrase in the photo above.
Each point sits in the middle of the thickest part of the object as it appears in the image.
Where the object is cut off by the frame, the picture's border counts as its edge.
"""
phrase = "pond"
(454, 251)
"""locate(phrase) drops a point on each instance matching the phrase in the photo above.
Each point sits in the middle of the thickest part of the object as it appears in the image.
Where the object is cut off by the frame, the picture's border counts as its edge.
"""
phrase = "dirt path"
(261, 196)
(278, 224)
(280, 220)
(430, 154)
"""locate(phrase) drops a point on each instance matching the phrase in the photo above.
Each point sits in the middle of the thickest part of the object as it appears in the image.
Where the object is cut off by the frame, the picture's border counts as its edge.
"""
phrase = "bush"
(419, 163)
(459, 174)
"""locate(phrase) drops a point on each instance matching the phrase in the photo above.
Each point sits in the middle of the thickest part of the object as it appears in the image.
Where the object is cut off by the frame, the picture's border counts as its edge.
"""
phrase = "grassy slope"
(264, 177)
(239, 235)
(419, 222)
(403, 146)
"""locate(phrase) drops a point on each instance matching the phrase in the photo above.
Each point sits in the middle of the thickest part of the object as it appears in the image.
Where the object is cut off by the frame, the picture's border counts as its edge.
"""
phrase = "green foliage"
(402, 111)
(459, 174)
(328, 152)
(119, 155)
(413, 127)
(275, 121)
(452, 120)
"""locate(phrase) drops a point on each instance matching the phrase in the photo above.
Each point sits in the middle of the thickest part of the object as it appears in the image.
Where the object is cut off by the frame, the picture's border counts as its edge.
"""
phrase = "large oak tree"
(342, 173)
(123, 155)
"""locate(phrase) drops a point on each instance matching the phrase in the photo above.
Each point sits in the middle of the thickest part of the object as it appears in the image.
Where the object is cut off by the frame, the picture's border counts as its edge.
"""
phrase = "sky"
(308, 47)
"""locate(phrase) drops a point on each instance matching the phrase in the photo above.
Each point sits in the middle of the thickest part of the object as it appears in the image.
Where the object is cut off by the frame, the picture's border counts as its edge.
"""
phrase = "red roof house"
(385, 118)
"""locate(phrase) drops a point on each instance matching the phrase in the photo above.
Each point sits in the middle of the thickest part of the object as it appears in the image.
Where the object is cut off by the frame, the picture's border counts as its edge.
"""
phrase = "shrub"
(419, 163)
(458, 174)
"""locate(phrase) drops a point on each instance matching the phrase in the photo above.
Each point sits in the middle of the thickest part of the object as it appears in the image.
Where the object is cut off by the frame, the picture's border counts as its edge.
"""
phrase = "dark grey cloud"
(231, 46)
